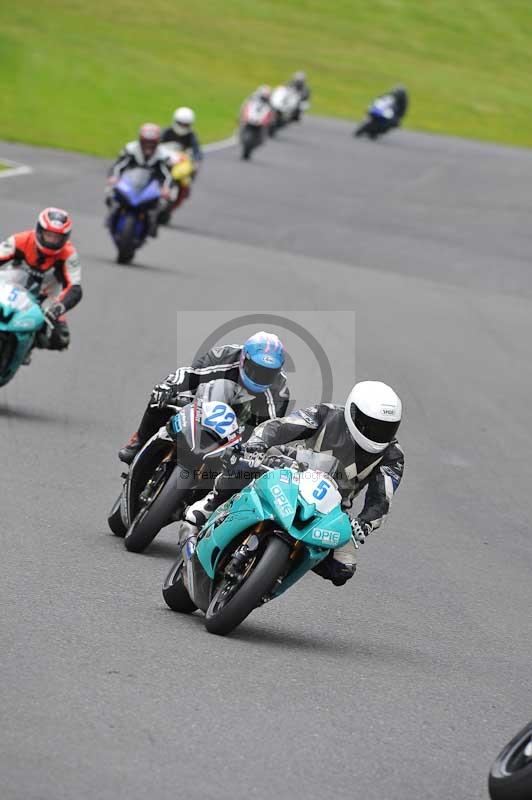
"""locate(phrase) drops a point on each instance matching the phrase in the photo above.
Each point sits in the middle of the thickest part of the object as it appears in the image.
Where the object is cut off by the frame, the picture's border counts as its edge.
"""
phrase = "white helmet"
(184, 119)
(372, 415)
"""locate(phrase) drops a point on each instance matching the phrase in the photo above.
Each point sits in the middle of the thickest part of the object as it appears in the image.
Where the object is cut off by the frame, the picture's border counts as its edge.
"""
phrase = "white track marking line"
(223, 144)
(15, 168)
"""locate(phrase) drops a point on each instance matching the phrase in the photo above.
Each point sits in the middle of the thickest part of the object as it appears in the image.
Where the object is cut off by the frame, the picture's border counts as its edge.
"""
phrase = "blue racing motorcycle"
(381, 118)
(21, 318)
(260, 542)
(135, 202)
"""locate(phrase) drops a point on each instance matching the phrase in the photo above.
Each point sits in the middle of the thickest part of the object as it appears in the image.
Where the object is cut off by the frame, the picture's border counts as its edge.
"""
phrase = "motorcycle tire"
(114, 519)
(249, 142)
(175, 594)
(363, 130)
(125, 241)
(510, 776)
(158, 512)
(223, 616)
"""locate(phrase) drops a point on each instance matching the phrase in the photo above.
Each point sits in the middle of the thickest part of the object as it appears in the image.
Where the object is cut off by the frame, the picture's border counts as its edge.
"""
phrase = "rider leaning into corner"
(360, 435)
(254, 385)
(146, 151)
(181, 133)
(53, 271)
(298, 82)
(397, 101)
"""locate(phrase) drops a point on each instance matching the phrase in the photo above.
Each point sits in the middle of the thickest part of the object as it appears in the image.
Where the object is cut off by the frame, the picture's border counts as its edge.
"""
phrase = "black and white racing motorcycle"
(174, 468)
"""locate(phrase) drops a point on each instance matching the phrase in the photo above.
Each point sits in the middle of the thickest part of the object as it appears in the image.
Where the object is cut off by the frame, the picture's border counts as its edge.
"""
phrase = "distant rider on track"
(299, 83)
(360, 435)
(255, 386)
(53, 271)
(147, 152)
(181, 133)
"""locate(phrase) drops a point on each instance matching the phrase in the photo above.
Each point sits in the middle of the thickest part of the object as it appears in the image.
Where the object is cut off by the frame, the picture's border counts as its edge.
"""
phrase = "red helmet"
(149, 138)
(52, 230)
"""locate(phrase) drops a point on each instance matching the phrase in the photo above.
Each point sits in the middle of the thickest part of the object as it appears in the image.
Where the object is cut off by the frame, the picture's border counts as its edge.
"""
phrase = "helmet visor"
(376, 430)
(256, 373)
(53, 240)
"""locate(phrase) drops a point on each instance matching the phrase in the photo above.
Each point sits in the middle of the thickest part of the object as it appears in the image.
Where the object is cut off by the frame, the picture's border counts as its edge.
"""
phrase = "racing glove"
(53, 313)
(361, 530)
(162, 394)
(254, 452)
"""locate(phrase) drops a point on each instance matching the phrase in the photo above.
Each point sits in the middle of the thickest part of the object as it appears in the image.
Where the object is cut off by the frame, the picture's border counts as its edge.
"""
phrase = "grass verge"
(83, 75)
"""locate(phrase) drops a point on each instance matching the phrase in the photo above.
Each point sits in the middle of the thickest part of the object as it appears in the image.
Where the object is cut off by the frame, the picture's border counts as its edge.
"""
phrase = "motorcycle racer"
(299, 83)
(255, 386)
(396, 100)
(53, 271)
(361, 435)
(147, 152)
(182, 135)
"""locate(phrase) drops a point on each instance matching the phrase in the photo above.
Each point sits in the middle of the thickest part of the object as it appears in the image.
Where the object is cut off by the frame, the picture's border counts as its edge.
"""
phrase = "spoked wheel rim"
(229, 587)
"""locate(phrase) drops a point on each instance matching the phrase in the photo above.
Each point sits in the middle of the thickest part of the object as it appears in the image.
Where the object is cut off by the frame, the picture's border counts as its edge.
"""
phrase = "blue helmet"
(261, 361)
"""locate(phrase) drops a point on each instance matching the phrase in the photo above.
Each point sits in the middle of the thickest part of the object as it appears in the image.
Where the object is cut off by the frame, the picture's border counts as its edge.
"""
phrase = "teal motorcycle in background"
(21, 318)
(260, 542)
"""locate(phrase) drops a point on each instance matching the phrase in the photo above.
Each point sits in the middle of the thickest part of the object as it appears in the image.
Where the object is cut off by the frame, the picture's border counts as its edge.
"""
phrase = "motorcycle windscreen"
(324, 462)
(138, 186)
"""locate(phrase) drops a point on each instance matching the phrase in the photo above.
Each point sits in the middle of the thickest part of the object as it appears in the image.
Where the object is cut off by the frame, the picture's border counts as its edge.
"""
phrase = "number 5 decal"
(321, 490)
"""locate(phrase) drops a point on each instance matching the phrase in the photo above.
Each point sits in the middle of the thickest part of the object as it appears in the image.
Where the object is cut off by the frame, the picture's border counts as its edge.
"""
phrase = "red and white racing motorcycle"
(256, 117)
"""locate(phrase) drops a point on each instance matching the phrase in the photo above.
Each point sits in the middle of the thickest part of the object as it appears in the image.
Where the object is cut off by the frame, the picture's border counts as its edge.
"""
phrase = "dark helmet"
(399, 91)
(298, 80)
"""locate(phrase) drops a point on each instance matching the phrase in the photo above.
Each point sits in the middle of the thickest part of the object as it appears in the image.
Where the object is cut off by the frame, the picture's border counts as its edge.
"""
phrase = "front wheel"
(125, 241)
(511, 773)
(175, 594)
(248, 140)
(364, 129)
(158, 511)
(228, 608)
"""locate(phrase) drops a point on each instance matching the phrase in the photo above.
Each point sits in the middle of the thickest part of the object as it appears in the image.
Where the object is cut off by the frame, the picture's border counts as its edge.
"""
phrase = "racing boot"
(339, 566)
(194, 519)
(130, 450)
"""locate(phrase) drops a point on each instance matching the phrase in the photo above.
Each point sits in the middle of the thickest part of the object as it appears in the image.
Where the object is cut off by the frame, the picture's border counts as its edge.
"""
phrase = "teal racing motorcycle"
(260, 542)
(21, 318)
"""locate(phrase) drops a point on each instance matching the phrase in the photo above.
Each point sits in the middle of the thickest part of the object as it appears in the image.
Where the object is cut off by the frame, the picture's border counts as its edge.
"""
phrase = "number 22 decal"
(321, 490)
(216, 421)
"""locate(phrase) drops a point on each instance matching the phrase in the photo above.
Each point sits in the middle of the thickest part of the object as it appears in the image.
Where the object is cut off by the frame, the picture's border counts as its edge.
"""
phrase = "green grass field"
(83, 75)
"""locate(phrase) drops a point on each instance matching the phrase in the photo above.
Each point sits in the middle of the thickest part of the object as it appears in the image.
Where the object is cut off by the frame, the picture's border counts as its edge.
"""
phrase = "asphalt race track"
(405, 683)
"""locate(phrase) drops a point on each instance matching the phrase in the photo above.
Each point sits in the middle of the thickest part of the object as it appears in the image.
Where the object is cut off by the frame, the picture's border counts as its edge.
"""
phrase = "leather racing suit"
(218, 364)
(51, 278)
(322, 428)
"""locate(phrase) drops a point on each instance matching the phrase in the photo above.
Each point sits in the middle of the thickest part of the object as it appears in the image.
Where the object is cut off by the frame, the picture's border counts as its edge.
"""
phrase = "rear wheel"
(115, 518)
(175, 594)
(125, 241)
(511, 773)
(232, 603)
(158, 511)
